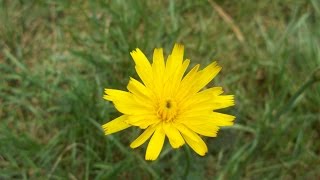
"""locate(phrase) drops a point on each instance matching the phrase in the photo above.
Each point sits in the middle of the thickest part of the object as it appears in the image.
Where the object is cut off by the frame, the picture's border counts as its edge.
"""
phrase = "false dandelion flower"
(170, 103)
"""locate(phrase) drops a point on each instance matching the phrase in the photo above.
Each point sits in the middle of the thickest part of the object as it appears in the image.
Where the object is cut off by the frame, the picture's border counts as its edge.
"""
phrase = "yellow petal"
(143, 121)
(194, 82)
(142, 117)
(198, 146)
(175, 80)
(175, 59)
(205, 76)
(139, 90)
(186, 83)
(177, 52)
(158, 68)
(186, 131)
(221, 119)
(116, 125)
(158, 65)
(122, 96)
(174, 135)
(143, 67)
(201, 97)
(203, 129)
(131, 109)
(192, 139)
(155, 144)
(113, 94)
(183, 69)
(222, 101)
(214, 103)
(207, 118)
(143, 137)
(127, 103)
(173, 69)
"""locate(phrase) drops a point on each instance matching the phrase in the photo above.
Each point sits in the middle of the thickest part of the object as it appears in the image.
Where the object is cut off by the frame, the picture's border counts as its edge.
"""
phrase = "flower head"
(170, 104)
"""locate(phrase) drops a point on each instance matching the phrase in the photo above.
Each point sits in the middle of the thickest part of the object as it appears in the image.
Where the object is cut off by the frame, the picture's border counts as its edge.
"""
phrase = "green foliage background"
(56, 58)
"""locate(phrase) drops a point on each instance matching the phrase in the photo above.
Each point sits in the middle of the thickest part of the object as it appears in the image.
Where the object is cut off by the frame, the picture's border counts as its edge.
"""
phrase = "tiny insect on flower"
(169, 103)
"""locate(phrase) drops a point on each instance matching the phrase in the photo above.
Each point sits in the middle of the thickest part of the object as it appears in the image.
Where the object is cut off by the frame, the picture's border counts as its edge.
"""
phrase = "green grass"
(57, 57)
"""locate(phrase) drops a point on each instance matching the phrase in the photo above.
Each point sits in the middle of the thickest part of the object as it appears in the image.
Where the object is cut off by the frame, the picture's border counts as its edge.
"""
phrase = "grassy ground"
(57, 57)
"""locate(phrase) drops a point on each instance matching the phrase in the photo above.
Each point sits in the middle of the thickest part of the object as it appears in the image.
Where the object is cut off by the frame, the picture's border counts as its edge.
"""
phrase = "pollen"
(168, 104)
(167, 111)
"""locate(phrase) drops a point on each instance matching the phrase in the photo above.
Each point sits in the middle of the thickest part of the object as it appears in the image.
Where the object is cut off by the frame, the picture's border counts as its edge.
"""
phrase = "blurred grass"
(57, 57)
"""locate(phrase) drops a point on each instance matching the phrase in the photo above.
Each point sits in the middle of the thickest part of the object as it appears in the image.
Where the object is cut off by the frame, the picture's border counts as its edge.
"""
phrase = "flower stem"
(187, 168)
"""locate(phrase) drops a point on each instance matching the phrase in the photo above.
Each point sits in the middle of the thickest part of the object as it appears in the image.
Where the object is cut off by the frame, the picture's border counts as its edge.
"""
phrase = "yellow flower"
(169, 104)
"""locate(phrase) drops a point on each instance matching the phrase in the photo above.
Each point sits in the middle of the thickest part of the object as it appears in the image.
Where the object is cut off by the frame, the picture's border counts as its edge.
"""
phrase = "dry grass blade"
(228, 19)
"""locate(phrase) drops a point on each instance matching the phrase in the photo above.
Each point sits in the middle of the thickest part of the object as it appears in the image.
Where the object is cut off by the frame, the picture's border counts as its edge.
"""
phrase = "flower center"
(168, 104)
(167, 110)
